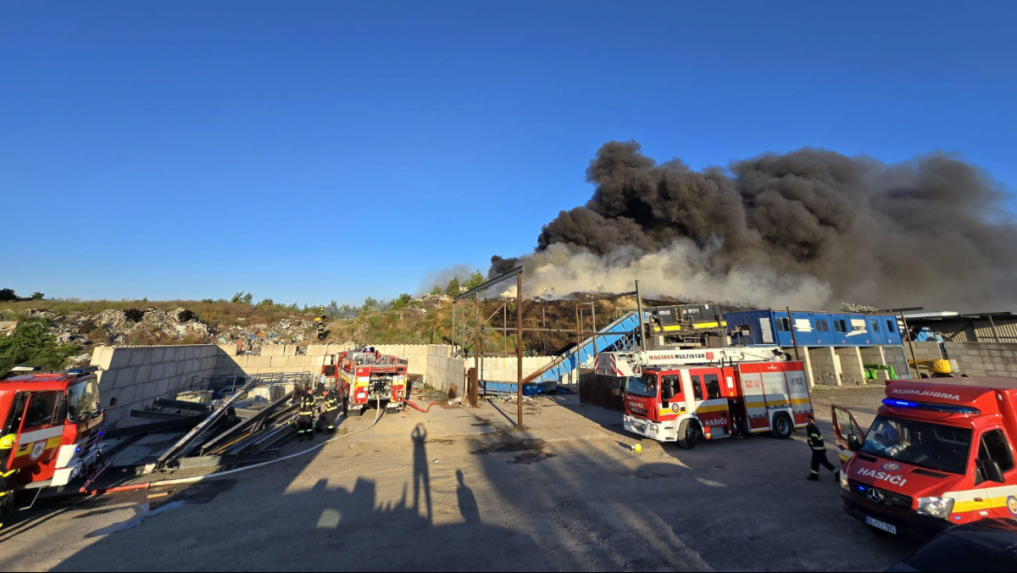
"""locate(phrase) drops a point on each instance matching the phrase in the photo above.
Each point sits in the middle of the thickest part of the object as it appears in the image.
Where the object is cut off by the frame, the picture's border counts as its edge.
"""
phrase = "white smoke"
(680, 270)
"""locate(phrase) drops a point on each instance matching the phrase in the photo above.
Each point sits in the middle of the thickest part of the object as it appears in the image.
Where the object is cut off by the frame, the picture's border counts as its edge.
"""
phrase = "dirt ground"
(456, 489)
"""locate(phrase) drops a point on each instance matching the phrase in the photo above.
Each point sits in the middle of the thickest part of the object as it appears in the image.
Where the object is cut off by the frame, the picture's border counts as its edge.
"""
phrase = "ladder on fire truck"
(619, 335)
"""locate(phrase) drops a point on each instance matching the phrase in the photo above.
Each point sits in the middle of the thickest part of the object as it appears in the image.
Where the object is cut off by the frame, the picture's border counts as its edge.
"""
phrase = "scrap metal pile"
(232, 421)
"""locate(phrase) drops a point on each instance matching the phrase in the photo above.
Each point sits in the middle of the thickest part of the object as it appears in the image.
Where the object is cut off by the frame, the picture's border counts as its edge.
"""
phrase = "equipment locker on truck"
(939, 453)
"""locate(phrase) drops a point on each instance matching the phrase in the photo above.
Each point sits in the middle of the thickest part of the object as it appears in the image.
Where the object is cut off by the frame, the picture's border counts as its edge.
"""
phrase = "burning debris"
(806, 228)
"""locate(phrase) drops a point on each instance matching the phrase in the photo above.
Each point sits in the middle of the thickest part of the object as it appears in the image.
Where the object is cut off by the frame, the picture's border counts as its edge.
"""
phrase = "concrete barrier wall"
(136, 375)
(983, 358)
(503, 369)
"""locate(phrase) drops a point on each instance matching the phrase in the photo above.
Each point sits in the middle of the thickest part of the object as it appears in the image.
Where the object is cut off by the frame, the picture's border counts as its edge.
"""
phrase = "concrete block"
(150, 391)
(144, 374)
(228, 349)
(272, 350)
(165, 387)
(158, 371)
(289, 350)
(317, 350)
(126, 377)
(282, 362)
(123, 395)
(258, 362)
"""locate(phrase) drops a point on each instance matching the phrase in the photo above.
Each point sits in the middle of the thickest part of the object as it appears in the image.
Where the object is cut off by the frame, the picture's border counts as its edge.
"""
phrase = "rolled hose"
(210, 477)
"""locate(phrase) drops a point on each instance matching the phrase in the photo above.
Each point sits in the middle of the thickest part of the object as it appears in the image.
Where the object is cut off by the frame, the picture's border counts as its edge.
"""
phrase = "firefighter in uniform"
(818, 446)
(305, 416)
(319, 407)
(331, 410)
(321, 325)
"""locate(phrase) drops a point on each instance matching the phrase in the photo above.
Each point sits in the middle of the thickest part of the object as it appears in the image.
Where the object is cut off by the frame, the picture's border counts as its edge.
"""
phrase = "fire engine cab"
(365, 376)
(689, 403)
(52, 427)
(939, 453)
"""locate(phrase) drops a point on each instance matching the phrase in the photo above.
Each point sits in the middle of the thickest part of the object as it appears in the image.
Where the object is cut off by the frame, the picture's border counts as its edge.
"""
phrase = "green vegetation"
(8, 294)
(31, 344)
(453, 288)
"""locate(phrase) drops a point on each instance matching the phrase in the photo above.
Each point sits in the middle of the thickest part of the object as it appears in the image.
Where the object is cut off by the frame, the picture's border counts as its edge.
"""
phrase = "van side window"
(995, 448)
(697, 388)
(838, 325)
(712, 387)
(41, 409)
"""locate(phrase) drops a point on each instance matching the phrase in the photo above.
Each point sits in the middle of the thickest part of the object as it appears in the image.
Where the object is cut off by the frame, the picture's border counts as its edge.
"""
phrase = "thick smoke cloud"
(811, 227)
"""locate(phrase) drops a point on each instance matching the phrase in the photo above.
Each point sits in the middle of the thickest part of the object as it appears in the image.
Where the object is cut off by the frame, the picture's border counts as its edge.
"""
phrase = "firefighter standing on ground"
(305, 416)
(331, 409)
(818, 446)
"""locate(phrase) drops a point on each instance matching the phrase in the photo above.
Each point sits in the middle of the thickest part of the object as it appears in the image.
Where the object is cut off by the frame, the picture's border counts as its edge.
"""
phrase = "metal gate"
(897, 358)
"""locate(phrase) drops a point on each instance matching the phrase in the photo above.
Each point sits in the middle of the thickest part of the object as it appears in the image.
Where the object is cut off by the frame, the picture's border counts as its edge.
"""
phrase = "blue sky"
(310, 151)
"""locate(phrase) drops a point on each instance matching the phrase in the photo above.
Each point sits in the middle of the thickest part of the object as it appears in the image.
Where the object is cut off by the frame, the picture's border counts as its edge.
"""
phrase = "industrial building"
(945, 326)
(838, 348)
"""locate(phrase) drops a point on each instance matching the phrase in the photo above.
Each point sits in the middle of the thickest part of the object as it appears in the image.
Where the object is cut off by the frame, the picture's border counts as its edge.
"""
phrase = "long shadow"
(730, 504)
(266, 522)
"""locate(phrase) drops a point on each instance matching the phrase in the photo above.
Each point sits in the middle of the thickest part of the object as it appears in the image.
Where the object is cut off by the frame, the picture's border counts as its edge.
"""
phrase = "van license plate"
(891, 529)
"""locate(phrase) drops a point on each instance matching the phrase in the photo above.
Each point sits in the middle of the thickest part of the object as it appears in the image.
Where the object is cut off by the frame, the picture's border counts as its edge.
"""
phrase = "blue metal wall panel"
(815, 328)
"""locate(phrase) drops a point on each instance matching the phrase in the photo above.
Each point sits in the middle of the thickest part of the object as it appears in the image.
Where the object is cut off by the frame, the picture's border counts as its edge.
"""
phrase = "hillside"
(81, 325)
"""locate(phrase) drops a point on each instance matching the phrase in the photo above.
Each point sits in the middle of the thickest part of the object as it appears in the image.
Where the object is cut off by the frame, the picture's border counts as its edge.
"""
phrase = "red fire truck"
(939, 453)
(689, 403)
(52, 427)
(364, 376)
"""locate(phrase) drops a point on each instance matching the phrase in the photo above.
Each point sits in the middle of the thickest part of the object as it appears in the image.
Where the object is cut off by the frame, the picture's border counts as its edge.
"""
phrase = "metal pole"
(453, 328)
(794, 335)
(543, 319)
(504, 320)
(476, 359)
(907, 333)
(995, 333)
(642, 325)
(594, 313)
(519, 348)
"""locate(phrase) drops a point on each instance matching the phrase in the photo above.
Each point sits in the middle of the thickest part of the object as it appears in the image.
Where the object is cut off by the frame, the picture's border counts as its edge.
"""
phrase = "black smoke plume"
(810, 227)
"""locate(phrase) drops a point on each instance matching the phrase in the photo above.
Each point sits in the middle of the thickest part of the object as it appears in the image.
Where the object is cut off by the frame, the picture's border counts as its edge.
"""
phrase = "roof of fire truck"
(42, 381)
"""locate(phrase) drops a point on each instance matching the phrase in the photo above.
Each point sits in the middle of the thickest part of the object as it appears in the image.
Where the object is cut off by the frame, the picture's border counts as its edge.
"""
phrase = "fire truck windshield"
(82, 401)
(931, 446)
(645, 387)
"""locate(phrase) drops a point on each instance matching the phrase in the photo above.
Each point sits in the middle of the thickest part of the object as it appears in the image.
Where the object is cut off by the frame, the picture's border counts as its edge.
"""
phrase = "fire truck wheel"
(782, 427)
(688, 435)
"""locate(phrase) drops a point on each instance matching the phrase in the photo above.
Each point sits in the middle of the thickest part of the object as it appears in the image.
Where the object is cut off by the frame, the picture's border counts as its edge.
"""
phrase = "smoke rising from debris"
(808, 228)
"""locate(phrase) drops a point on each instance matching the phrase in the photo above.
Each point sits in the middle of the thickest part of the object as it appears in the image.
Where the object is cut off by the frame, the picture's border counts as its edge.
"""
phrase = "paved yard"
(455, 489)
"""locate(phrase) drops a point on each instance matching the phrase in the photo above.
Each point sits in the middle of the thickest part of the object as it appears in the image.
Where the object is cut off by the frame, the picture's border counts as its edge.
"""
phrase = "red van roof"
(955, 391)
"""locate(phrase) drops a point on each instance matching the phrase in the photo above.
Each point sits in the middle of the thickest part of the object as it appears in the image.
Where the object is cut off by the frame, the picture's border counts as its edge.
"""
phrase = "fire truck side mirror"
(854, 443)
(990, 470)
(113, 403)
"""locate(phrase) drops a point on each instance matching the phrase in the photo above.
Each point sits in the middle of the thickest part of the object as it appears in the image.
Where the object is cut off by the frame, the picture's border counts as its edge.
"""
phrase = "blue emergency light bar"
(946, 408)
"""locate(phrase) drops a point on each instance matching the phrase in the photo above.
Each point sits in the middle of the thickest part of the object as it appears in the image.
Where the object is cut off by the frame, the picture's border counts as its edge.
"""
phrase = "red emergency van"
(939, 453)
(692, 403)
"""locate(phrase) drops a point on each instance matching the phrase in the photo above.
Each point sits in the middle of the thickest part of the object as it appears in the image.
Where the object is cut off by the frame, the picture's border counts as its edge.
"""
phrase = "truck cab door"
(844, 427)
(995, 456)
(40, 431)
(11, 430)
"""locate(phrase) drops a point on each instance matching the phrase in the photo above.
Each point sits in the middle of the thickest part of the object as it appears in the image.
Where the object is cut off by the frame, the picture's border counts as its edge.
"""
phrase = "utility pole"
(642, 324)
(519, 348)
(476, 358)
